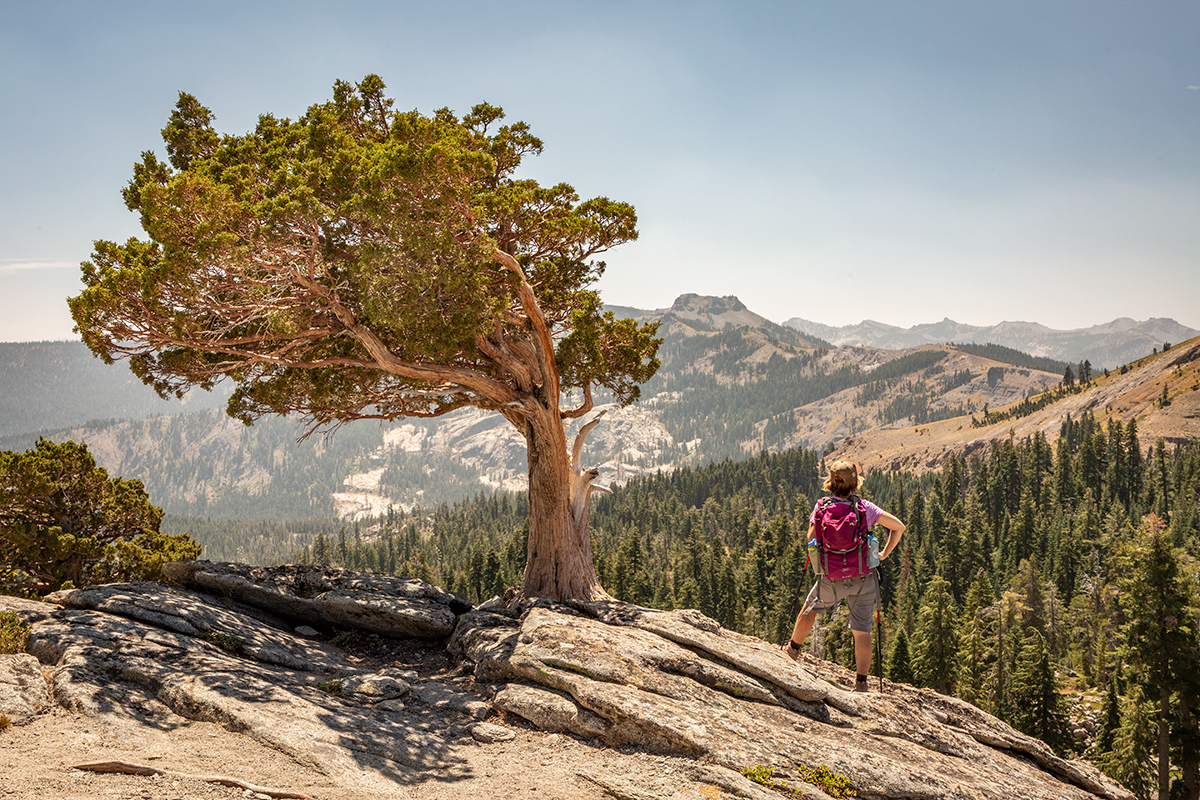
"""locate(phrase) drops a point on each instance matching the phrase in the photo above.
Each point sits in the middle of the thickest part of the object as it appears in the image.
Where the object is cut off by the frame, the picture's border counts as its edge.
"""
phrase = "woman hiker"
(861, 589)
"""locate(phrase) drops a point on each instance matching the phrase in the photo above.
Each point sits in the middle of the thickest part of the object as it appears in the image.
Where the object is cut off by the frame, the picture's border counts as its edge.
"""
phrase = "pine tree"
(899, 666)
(976, 651)
(1038, 705)
(936, 639)
(908, 594)
(320, 551)
(1129, 761)
(1161, 643)
(1110, 721)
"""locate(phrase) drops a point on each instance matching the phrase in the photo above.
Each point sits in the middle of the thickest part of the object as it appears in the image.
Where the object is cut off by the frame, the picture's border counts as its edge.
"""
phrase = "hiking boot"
(791, 651)
(860, 684)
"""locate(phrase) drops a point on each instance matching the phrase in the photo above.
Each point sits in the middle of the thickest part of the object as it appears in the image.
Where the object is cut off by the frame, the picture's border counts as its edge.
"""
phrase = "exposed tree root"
(137, 769)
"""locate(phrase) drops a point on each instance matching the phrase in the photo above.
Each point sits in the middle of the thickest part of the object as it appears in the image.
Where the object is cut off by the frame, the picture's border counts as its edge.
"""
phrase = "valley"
(732, 384)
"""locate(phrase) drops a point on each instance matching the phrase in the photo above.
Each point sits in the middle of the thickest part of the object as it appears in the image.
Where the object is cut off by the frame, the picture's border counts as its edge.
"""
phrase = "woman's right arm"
(895, 531)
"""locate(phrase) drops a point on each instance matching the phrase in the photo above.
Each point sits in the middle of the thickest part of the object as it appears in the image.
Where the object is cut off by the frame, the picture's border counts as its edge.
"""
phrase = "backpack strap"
(864, 531)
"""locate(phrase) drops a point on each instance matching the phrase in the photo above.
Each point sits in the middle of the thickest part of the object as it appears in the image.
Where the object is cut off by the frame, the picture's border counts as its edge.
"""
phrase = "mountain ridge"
(732, 384)
(1105, 345)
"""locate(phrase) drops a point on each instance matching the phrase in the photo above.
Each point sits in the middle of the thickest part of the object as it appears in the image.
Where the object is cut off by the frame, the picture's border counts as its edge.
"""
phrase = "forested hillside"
(1034, 580)
(53, 385)
(207, 464)
(731, 385)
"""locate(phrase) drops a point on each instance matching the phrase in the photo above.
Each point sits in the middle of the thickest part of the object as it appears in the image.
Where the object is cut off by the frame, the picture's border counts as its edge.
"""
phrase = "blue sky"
(901, 162)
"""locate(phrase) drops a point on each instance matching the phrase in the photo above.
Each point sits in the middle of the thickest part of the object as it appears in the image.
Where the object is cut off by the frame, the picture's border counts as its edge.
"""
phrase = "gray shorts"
(860, 595)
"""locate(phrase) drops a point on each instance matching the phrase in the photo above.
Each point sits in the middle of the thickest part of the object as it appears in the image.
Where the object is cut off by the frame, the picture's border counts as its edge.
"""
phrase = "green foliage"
(936, 639)
(13, 632)
(1039, 709)
(899, 668)
(1110, 722)
(63, 519)
(765, 776)
(352, 264)
(227, 642)
(832, 783)
(1129, 761)
(331, 686)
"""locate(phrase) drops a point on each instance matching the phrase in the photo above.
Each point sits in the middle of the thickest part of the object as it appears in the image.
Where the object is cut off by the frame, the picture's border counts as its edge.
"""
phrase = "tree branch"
(580, 438)
(545, 349)
(137, 769)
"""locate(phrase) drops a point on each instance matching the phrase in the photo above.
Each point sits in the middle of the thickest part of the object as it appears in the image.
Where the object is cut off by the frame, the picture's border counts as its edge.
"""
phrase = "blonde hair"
(842, 479)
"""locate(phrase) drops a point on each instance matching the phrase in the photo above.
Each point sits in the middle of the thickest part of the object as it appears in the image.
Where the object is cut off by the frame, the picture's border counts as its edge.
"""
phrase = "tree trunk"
(1191, 791)
(1164, 742)
(560, 565)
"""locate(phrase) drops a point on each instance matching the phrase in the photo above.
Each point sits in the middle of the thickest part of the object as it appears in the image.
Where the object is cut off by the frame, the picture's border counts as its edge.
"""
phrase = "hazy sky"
(837, 161)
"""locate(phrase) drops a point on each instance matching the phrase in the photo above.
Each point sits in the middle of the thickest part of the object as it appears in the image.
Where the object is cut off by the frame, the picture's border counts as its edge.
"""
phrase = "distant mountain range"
(1106, 346)
(732, 384)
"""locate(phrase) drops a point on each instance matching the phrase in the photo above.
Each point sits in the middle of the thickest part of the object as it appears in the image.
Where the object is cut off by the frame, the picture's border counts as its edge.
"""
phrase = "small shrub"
(832, 783)
(835, 784)
(13, 632)
(764, 776)
(333, 686)
(5, 722)
(350, 638)
(355, 640)
(228, 643)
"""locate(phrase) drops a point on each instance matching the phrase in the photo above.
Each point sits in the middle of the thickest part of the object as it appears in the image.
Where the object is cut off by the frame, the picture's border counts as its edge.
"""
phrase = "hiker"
(844, 564)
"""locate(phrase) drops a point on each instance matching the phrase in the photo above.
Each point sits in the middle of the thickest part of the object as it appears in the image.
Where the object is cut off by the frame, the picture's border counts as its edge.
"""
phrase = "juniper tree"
(364, 263)
(63, 519)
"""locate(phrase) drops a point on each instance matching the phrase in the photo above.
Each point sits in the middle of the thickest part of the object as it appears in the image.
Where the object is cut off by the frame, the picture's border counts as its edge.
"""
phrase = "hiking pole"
(879, 642)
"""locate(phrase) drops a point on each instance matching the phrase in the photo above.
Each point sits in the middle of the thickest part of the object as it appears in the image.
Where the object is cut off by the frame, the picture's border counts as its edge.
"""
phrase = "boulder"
(23, 690)
(329, 597)
(488, 733)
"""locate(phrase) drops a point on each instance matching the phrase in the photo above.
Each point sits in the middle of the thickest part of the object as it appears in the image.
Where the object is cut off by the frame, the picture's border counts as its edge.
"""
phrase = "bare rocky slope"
(1135, 393)
(547, 700)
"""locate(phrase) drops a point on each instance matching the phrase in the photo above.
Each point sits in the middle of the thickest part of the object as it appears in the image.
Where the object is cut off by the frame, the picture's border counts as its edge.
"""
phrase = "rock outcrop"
(23, 692)
(326, 597)
(670, 683)
(675, 682)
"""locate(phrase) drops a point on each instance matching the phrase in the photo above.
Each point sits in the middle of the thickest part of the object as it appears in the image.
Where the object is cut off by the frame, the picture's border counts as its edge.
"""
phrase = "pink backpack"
(842, 545)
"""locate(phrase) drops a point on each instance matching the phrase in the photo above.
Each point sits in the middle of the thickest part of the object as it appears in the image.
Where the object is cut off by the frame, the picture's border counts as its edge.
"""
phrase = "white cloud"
(20, 264)
(1194, 88)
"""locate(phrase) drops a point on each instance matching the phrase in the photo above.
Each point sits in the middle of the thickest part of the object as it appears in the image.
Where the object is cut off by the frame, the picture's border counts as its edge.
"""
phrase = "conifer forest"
(1031, 576)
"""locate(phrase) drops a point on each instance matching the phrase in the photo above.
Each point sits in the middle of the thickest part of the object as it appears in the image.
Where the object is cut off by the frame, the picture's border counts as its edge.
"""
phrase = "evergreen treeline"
(725, 395)
(1007, 355)
(207, 465)
(250, 541)
(1026, 569)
